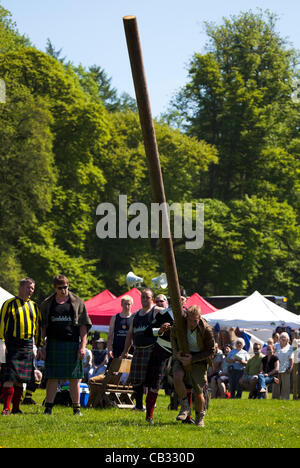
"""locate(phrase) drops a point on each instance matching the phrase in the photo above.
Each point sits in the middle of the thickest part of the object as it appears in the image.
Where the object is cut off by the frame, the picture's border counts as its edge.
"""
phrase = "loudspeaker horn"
(133, 281)
(160, 281)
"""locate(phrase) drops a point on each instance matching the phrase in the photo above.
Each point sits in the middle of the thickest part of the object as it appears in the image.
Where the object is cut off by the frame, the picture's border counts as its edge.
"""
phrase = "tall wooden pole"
(156, 180)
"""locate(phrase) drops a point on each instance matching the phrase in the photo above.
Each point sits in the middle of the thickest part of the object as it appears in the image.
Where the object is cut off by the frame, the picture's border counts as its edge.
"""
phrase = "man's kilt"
(139, 364)
(19, 361)
(156, 367)
(62, 361)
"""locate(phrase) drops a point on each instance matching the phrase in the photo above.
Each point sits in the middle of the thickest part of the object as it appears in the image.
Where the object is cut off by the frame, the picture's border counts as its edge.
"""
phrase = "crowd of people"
(56, 334)
(271, 366)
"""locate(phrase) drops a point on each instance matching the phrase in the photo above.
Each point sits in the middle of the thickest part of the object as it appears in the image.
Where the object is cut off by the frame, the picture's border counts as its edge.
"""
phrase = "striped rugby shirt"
(20, 319)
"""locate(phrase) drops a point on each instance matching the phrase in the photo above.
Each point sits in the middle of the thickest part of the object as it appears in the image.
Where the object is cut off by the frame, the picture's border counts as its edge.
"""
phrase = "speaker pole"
(156, 180)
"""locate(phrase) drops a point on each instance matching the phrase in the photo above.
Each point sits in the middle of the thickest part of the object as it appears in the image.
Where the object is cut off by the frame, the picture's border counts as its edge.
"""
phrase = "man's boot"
(185, 410)
(199, 419)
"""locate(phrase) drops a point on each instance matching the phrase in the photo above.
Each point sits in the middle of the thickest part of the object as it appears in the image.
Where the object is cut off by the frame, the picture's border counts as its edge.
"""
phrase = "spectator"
(99, 359)
(268, 371)
(215, 368)
(220, 382)
(237, 358)
(87, 363)
(162, 301)
(250, 378)
(276, 343)
(65, 324)
(224, 338)
(191, 369)
(20, 325)
(183, 302)
(118, 328)
(270, 341)
(286, 361)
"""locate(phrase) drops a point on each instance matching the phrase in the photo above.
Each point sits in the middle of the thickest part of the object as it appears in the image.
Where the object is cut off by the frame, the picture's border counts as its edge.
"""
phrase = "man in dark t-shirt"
(118, 328)
(65, 323)
(143, 344)
(61, 322)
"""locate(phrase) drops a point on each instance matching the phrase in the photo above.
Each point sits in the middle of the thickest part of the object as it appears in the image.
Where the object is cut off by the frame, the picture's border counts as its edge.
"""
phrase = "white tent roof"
(254, 312)
(4, 295)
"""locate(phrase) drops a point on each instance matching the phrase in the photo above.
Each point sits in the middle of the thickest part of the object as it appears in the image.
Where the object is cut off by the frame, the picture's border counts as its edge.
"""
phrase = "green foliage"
(98, 85)
(53, 135)
(70, 142)
(238, 98)
(249, 244)
(26, 157)
(10, 39)
(42, 253)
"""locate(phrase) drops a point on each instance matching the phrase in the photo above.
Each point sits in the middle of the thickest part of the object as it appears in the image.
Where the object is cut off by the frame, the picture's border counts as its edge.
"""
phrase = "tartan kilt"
(62, 361)
(156, 367)
(139, 365)
(19, 361)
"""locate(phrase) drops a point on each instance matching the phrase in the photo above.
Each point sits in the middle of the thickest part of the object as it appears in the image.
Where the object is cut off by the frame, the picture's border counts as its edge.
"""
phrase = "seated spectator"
(237, 358)
(215, 368)
(87, 363)
(250, 378)
(270, 341)
(224, 338)
(276, 342)
(220, 382)
(99, 359)
(286, 362)
(268, 371)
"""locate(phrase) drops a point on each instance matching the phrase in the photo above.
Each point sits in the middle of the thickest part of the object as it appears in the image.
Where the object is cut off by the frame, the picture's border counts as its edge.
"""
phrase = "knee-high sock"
(7, 395)
(139, 392)
(150, 403)
(190, 400)
(17, 396)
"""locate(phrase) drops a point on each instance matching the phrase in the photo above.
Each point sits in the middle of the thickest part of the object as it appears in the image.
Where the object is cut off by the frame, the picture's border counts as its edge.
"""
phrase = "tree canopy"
(69, 142)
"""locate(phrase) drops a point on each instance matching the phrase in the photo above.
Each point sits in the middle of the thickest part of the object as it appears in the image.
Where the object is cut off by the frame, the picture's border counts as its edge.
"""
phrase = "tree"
(27, 177)
(238, 98)
(96, 82)
(50, 50)
(10, 38)
(184, 163)
(52, 134)
(249, 244)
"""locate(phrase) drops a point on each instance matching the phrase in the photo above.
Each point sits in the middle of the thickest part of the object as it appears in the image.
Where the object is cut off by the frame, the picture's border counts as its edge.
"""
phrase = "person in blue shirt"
(237, 360)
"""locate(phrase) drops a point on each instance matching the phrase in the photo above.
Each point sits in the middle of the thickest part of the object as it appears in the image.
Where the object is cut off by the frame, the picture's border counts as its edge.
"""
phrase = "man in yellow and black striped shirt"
(20, 326)
(21, 319)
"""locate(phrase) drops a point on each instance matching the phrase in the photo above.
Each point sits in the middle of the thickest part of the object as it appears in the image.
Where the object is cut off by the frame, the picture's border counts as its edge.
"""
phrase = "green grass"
(229, 423)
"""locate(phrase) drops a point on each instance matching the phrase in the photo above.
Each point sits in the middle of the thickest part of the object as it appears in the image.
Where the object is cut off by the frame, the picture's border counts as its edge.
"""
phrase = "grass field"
(229, 423)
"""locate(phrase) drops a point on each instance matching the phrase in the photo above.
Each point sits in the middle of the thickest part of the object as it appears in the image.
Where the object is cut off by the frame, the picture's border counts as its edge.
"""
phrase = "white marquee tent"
(254, 312)
(4, 295)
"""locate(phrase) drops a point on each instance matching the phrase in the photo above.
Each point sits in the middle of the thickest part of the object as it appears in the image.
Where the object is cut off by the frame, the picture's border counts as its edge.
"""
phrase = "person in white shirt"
(237, 358)
(286, 362)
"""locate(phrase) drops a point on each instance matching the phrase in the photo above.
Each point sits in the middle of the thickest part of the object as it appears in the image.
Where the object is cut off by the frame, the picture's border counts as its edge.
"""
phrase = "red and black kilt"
(19, 361)
(139, 365)
(156, 367)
